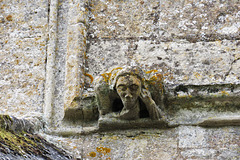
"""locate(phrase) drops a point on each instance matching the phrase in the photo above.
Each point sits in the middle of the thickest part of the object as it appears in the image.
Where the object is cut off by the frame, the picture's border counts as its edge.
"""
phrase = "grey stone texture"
(195, 20)
(23, 42)
(184, 142)
(181, 62)
(52, 51)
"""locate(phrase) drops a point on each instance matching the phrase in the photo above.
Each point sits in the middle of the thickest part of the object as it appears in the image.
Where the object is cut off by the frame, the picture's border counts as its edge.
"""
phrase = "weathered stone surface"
(193, 43)
(117, 19)
(206, 143)
(59, 69)
(76, 52)
(137, 144)
(221, 121)
(23, 32)
(180, 62)
(72, 18)
(194, 20)
(184, 142)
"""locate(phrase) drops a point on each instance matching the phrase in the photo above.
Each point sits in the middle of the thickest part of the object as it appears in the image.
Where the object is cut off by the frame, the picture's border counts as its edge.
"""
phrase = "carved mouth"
(130, 100)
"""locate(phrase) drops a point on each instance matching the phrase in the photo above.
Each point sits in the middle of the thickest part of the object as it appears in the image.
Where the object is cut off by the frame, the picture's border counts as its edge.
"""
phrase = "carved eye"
(122, 87)
(134, 87)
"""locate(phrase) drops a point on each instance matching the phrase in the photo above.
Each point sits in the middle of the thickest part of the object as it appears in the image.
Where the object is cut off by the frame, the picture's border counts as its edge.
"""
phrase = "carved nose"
(128, 94)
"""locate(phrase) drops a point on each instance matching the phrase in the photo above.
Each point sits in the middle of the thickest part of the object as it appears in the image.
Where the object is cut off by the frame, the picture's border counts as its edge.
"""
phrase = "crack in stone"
(230, 69)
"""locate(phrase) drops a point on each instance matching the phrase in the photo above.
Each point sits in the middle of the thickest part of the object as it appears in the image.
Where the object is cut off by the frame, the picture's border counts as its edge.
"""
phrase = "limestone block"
(78, 12)
(209, 143)
(23, 32)
(221, 121)
(194, 20)
(200, 20)
(74, 81)
(184, 142)
(145, 144)
(204, 153)
(192, 137)
(119, 19)
(180, 62)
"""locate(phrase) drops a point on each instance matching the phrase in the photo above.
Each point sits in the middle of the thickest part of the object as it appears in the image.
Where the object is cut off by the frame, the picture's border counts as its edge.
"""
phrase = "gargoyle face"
(128, 88)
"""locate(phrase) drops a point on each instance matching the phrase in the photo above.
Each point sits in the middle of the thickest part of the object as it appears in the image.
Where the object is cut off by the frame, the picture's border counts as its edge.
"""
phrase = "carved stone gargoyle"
(125, 100)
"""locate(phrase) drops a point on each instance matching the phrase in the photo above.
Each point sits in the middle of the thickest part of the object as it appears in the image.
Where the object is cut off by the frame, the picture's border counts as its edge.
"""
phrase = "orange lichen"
(89, 76)
(116, 69)
(103, 150)
(197, 75)
(106, 76)
(9, 18)
(151, 71)
(109, 75)
(224, 93)
(99, 149)
(157, 77)
(92, 154)
(85, 55)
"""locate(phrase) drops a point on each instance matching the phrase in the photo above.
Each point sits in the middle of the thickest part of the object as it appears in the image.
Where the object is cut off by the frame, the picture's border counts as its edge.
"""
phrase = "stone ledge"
(115, 124)
(221, 121)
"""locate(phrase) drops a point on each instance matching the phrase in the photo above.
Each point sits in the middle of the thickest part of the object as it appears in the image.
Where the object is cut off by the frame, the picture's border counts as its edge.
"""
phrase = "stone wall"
(195, 42)
(184, 142)
(52, 52)
(23, 43)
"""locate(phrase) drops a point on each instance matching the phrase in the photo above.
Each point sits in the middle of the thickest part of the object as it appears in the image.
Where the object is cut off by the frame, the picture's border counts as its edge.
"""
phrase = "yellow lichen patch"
(16, 142)
(92, 154)
(197, 75)
(111, 75)
(116, 69)
(9, 18)
(106, 76)
(114, 73)
(89, 76)
(185, 78)
(151, 71)
(85, 55)
(103, 150)
(224, 93)
(156, 78)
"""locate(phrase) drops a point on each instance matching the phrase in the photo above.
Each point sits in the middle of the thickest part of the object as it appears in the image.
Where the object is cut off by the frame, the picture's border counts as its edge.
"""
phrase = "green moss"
(5, 120)
(17, 143)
